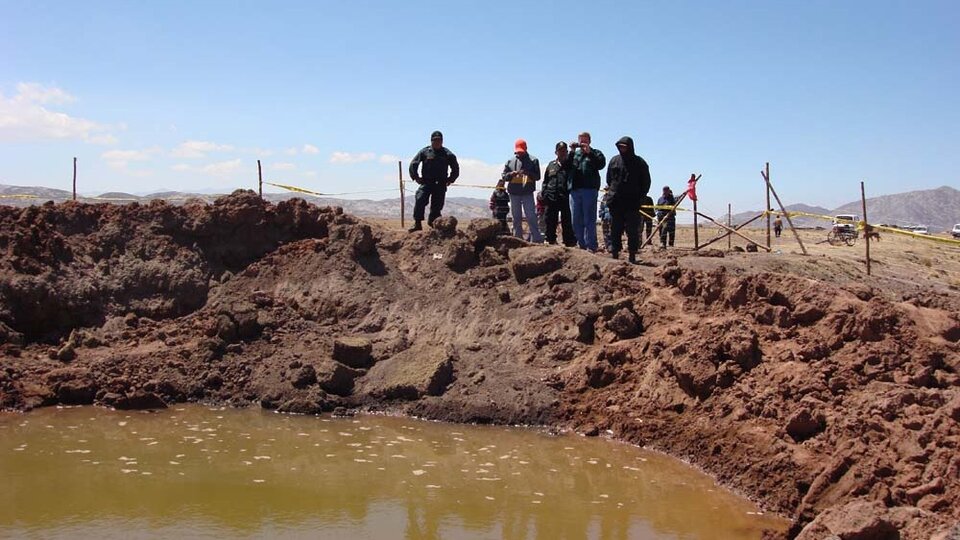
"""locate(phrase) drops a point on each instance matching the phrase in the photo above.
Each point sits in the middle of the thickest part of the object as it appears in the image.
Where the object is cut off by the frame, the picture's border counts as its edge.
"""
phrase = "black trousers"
(433, 192)
(624, 219)
(646, 228)
(559, 209)
(667, 232)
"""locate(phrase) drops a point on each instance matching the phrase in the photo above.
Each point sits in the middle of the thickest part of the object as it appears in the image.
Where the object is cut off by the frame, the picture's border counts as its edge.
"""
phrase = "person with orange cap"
(521, 174)
(433, 178)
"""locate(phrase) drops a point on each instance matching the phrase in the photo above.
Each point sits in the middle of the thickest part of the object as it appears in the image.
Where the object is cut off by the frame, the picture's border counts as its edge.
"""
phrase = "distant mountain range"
(938, 209)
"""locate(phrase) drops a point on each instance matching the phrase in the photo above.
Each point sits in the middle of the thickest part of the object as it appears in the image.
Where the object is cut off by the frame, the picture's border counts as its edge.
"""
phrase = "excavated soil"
(832, 401)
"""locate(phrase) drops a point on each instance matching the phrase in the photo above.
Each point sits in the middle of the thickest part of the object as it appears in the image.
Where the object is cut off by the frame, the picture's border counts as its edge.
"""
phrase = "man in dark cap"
(440, 169)
(556, 197)
(628, 182)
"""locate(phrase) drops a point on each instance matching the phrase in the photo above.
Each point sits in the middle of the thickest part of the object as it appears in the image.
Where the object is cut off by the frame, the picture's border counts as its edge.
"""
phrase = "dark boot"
(614, 255)
(632, 258)
(416, 227)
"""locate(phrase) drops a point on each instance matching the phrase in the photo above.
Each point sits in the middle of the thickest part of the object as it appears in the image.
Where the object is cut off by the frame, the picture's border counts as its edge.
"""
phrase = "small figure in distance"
(440, 169)
(669, 228)
(500, 206)
(777, 226)
(603, 214)
(646, 221)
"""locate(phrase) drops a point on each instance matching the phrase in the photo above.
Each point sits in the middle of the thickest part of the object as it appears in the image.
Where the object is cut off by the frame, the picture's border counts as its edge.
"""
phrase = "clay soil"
(828, 396)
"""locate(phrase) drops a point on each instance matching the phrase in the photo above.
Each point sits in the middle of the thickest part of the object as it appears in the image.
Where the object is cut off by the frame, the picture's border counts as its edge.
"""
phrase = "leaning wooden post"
(402, 204)
(786, 214)
(866, 226)
(729, 224)
(696, 230)
(766, 176)
(74, 178)
(260, 177)
(734, 231)
(662, 221)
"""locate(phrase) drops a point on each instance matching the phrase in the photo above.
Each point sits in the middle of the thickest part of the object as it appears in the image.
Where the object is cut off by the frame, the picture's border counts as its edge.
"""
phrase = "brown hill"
(938, 209)
(832, 401)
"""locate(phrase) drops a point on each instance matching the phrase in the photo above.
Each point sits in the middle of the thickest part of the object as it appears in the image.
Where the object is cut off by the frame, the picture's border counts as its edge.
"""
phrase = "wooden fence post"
(729, 224)
(766, 176)
(866, 226)
(74, 178)
(403, 218)
(786, 214)
(260, 177)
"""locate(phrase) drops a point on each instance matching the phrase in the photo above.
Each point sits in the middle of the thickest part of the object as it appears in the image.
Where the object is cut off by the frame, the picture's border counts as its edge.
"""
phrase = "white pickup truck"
(956, 231)
(846, 223)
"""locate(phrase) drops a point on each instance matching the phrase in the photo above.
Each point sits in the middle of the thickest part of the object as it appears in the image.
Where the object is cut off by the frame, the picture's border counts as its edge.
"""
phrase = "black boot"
(632, 258)
(416, 227)
(614, 255)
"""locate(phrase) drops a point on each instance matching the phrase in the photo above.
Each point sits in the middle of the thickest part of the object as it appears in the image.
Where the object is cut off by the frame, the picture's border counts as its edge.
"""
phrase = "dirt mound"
(809, 397)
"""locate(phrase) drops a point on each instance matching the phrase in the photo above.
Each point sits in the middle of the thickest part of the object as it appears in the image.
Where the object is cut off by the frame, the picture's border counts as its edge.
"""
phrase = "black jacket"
(628, 178)
(527, 164)
(555, 181)
(435, 165)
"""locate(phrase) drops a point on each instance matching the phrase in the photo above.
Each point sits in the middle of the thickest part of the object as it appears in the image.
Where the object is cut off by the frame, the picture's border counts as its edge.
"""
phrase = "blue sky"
(188, 95)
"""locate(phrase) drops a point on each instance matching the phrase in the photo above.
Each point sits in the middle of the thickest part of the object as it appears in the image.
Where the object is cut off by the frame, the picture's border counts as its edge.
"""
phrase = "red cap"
(520, 146)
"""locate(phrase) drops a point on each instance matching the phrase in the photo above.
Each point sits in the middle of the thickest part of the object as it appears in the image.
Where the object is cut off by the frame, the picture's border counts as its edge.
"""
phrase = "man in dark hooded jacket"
(628, 182)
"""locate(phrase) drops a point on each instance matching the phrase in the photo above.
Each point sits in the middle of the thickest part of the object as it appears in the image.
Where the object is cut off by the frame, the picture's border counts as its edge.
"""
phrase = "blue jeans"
(584, 210)
(525, 206)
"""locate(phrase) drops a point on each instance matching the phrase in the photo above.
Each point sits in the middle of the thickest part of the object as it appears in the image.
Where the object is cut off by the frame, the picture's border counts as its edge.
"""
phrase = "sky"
(187, 95)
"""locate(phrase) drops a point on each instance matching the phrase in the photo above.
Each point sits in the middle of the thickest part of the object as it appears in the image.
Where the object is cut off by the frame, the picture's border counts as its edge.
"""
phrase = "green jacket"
(586, 169)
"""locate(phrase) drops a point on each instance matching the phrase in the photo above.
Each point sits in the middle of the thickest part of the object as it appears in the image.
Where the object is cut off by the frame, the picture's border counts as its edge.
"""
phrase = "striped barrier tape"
(862, 225)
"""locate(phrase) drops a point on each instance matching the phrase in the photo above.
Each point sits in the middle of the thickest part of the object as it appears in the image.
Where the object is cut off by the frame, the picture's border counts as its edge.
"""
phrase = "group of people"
(568, 195)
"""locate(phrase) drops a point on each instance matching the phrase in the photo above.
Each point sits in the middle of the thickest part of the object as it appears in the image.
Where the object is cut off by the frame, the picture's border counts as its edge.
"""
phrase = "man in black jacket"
(557, 198)
(433, 180)
(628, 182)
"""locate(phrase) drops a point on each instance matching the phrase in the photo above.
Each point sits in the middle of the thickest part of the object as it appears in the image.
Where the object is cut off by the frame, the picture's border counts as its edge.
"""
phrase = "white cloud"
(223, 168)
(26, 117)
(348, 158)
(198, 149)
(310, 149)
(283, 166)
(292, 151)
(128, 155)
(474, 171)
(119, 160)
(219, 169)
(37, 93)
(105, 140)
(388, 158)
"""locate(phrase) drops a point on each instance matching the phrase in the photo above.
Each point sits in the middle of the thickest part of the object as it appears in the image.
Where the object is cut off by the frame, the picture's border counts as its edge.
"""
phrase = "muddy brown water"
(193, 472)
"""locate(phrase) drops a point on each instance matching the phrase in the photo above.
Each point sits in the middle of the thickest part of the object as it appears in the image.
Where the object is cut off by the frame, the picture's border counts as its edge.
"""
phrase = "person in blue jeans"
(521, 174)
(584, 186)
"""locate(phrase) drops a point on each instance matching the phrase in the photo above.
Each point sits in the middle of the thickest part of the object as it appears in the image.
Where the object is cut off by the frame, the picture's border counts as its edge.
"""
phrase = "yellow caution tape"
(295, 188)
(19, 196)
(862, 225)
